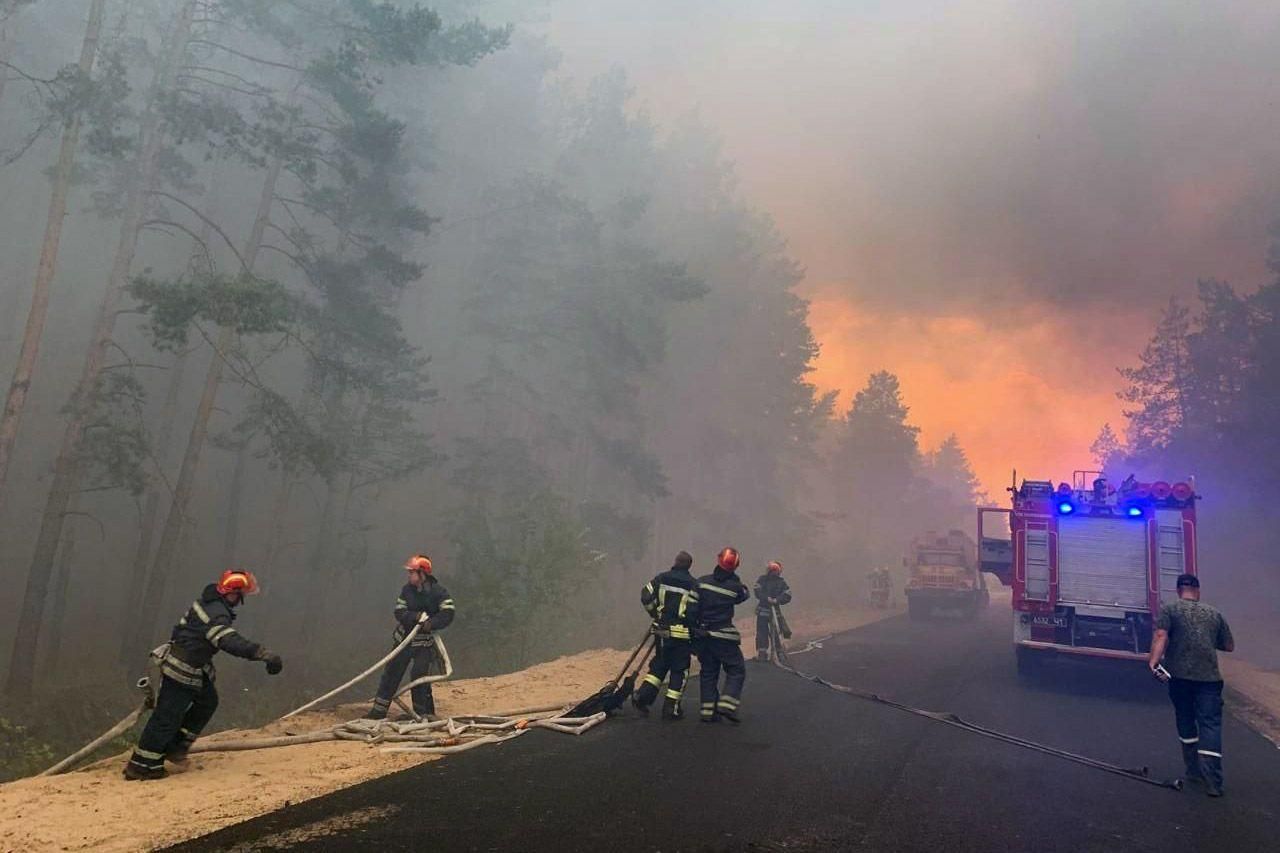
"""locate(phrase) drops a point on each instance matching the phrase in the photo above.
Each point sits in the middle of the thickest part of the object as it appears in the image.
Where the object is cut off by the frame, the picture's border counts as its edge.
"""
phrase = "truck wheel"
(1028, 662)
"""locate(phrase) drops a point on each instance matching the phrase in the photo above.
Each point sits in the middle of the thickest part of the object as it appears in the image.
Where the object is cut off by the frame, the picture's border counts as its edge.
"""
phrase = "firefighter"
(423, 600)
(771, 593)
(719, 645)
(1188, 636)
(671, 598)
(187, 697)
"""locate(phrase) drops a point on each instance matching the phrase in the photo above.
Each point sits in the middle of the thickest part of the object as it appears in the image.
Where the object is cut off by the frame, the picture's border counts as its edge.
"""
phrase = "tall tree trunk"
(150, 509)
(61, 589)
(231, 535)
(34, 330)
(320, 564)
(279, 511)
(165, 552)
(66, 472)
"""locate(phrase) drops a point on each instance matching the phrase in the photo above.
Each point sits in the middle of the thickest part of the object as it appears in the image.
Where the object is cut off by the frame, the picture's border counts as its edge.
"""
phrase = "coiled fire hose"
(440, 737)
(1138, 774)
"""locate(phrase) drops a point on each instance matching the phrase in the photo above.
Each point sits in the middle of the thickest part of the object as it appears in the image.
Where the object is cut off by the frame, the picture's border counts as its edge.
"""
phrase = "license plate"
(1055, 621)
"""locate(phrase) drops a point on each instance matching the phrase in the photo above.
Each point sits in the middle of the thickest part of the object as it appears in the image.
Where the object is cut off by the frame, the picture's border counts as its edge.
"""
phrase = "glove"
(274, 661)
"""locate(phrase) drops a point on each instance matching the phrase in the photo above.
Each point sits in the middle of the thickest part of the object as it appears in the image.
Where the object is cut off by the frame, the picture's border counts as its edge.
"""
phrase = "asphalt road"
(813, 770)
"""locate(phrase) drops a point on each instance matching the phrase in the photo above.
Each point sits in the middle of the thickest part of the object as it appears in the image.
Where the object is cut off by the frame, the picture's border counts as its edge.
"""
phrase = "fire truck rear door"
(1103, 561)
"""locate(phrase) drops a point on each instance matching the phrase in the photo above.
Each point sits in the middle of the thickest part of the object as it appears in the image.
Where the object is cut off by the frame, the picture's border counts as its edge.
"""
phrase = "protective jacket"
(432, 599)
(718, 593)
(671, 598)
(771, 585)
(204, 631)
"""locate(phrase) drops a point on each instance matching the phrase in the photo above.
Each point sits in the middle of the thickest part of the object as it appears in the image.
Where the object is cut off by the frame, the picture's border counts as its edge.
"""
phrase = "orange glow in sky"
(1016, 398)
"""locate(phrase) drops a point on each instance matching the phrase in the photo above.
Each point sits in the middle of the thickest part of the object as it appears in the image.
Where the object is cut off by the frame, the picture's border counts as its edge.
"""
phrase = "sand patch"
(95, 809)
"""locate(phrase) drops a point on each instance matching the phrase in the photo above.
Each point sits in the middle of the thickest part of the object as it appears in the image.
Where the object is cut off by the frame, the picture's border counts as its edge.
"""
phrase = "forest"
(1202, 399)
(308, 286)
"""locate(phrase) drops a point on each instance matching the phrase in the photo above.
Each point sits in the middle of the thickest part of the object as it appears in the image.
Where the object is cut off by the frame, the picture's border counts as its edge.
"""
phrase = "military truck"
(944, 576)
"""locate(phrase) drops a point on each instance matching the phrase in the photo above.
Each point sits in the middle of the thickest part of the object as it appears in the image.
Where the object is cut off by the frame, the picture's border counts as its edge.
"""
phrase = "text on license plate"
(1055, 621)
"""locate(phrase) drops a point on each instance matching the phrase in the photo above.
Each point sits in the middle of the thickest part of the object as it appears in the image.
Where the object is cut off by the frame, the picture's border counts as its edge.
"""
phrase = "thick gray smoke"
(923, 154)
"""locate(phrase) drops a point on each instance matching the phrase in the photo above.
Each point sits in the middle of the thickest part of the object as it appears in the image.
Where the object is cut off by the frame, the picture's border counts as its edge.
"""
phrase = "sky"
(993, 199)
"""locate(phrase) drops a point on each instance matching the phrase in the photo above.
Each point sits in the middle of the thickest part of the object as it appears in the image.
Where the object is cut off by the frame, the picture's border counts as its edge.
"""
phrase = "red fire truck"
(1089, 564)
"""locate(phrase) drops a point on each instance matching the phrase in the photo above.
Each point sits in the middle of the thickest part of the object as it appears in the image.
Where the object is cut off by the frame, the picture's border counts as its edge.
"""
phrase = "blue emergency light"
(1066, 508)
(1134, 511)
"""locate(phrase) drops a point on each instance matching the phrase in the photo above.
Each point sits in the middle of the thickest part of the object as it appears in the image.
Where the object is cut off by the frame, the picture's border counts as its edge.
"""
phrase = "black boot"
(637, 702)
(1191, 760)
(134, 773)
(762, 656)
(1212, 774)
(672, 709)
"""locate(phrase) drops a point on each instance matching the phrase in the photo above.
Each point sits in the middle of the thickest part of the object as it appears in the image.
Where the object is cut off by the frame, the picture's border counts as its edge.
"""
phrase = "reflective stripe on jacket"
(433, 599)
(771, 585)
(671, 598)
(200, 634)
(718, 594)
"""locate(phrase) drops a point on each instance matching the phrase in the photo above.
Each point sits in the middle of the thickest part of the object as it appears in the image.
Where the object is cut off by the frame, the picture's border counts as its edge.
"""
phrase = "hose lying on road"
(1138, 774)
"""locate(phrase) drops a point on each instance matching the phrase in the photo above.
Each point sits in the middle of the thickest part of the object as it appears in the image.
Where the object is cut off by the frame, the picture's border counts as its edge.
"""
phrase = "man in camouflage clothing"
(1189, 634)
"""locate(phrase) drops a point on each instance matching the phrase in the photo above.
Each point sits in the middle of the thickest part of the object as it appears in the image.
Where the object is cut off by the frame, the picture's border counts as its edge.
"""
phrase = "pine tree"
(1159, 388)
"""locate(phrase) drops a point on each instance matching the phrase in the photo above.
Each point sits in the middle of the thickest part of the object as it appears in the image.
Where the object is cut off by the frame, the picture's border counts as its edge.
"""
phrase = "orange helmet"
(419, 563)
(728, 559)
(237, 580)
(774, 566)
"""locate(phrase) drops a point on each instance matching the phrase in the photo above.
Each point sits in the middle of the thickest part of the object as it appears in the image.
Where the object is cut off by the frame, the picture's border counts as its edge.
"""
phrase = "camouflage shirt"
(1196, 632)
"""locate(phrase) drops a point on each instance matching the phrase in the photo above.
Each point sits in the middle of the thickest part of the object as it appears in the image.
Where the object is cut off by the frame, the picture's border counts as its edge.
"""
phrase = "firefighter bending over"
(771, 593)
(719, 645)
(671, 599)
(187, 697)
(423, 600)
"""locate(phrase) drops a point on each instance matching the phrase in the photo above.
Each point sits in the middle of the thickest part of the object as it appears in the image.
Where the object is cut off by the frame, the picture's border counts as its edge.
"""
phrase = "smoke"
(1044, 173)
(927, 154)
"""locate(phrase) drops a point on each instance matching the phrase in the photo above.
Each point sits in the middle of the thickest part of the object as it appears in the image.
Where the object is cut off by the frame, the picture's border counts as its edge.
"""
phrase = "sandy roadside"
(94, 809)
(1253, 694)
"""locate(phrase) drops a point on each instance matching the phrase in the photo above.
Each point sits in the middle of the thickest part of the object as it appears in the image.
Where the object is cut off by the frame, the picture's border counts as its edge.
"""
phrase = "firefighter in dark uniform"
(671, 599)
(771, 591)
(423, 600)
(718, 644)
(187, 697)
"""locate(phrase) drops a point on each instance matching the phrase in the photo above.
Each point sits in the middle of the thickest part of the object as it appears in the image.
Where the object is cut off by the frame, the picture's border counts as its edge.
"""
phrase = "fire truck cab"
(1089, 564)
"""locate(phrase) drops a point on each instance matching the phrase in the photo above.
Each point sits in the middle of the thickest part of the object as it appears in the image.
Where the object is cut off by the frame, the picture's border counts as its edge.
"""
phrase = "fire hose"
(440, 737)
(1137, 774)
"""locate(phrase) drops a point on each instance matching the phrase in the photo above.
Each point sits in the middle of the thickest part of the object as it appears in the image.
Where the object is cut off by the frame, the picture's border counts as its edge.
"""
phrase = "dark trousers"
(1197, 707)
(715, 654)
(180, 715)
(670, 661)
(419, 660)
(764, 630)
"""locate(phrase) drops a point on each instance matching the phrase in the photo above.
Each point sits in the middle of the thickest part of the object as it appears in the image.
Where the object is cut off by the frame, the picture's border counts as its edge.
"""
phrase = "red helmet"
(728, 559)
(237, 580)
(775, 567)
(419, 563)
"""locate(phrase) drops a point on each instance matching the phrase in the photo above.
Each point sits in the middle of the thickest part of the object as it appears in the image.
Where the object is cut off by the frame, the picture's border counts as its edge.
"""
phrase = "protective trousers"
(715, 654)
(180, 715)
(1197, 707)
(423, 659)
(764, 630)
(671, 661)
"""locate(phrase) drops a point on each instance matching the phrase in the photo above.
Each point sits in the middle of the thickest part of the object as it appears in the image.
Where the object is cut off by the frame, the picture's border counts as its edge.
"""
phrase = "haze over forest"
(552, 290)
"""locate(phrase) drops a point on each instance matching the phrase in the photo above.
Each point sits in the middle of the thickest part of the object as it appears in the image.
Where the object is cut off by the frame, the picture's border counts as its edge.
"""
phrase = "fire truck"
(1089, 564)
